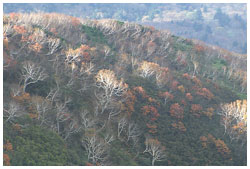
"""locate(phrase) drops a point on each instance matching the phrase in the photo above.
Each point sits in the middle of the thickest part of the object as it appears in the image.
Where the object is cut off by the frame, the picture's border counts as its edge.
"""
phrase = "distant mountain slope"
(223, 25)
(106, 92)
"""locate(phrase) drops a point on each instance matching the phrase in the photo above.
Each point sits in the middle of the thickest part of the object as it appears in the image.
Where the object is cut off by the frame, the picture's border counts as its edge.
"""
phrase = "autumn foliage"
(197, 81)
(186, 76)
(17, 127)
(129, 103)
(234, 119)
(89, 164)
(209, 112)
(8, 146)
(176, 111)
(189, 96)
(174, 85)
(6, 160)
(81, 54)
(84, 52)
(20, 29)
(24, 97)
(36, 47)
(196, 109)
(151, 114)
(222, 148)
(14, 16)
(151, 46)
(218, 143)
(6, 43)
(53, 30)
(167, 96)
(203, 140)
(199, 48)
(150, 110)
(183, 102)
(152, 128)
(75, 21)
(140, 91)
(204, 92)
(99, 106)
(180, 126)
(181, 88)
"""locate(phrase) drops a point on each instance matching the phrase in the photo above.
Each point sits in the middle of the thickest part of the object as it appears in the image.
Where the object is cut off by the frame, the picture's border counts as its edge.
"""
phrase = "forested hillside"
(221, 24)
(106, 92)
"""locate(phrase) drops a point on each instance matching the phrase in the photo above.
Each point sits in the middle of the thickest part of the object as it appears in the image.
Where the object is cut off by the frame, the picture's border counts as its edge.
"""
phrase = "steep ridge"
(114, 93)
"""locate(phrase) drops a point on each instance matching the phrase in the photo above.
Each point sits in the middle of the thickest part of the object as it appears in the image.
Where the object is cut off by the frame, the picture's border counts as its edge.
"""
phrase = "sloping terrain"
(221, 24)
(105, 92)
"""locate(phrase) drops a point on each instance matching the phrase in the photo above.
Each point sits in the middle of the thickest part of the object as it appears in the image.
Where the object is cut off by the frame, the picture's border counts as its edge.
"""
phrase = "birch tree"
(133, 131)
(42, 107)
(12, 111)
(109, 86)
(86, 121)
(53, 45)
(71, 128)
(155, 149)
(121, 126)
(61, 115)
(32, 73)
(234, 119)
(96, 149)
(16, 90)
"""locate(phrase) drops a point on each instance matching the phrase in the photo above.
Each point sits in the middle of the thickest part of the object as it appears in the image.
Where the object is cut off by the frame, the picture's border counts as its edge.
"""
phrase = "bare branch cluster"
(155, 149)
(12, 111)
(234, 119)
(32, 73)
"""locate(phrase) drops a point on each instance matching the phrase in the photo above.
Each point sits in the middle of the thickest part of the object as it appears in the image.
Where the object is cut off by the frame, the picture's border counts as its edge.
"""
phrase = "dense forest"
(106, 92)
(223, 25)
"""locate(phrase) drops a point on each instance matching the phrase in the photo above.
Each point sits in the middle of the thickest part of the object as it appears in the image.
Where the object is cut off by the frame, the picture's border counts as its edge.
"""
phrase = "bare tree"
(108, 138)
(12, 111)
(54, 95)
(196, 64)
(7, 29)
(71, 129)
(96, 149)
(42, 108)
(84, 77)
(70, 83)
(134, 62)
(106, 80)
(107, 51)
(133, 131)
(155, 149)
(53, 45)
(86, 121)
(61, 115)
(109, 88)
(121, 126)
(16, 90)
(32, 73)
(102, 103)
(72, 55)
(225, 113)
(39, 36)
(115, 110)
(234, 119)
(86, 69)
(148, 69)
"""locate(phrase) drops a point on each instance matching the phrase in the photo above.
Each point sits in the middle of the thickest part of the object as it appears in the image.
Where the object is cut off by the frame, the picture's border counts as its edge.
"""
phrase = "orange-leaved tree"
(176, 111)
(196, 109)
